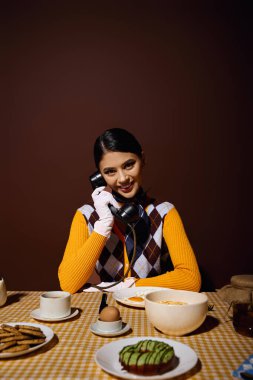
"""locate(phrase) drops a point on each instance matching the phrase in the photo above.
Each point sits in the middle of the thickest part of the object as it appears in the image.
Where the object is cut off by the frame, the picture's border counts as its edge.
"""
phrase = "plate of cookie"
(21, 338)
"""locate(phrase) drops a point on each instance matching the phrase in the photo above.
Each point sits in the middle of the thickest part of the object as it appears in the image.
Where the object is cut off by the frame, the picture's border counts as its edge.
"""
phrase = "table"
(70, 355)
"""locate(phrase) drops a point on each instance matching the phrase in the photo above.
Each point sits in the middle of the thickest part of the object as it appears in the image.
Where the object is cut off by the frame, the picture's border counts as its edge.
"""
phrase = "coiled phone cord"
(101, 288)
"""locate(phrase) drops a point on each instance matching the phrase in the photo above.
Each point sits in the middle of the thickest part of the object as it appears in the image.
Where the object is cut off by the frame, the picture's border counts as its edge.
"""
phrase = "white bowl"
(175, 319)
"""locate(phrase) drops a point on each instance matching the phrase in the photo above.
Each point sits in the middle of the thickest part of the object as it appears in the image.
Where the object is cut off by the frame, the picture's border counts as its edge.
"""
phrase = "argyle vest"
(154, 258)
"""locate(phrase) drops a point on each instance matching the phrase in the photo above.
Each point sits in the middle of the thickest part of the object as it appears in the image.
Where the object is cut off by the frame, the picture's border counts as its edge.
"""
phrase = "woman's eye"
(129, 165)
(109, 172)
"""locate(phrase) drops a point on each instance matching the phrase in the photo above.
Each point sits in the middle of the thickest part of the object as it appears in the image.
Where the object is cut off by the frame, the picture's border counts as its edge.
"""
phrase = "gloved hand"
(129, 282)
(102, 199)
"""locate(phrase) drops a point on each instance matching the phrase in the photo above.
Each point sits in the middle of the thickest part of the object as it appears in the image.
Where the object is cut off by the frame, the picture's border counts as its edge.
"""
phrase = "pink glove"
(102, 199)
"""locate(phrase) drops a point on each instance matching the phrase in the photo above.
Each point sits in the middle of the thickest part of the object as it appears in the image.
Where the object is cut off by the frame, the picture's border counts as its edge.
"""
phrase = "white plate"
(96, 331)
(36, 315)
(46, 330)
(107, 357)
(139, 291)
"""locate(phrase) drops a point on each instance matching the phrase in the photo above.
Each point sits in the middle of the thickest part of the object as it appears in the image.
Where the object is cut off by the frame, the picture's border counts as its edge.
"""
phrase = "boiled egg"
(109, 314)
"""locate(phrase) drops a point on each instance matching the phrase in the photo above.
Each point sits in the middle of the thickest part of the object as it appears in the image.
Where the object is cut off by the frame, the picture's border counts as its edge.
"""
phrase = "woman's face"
(122, 172)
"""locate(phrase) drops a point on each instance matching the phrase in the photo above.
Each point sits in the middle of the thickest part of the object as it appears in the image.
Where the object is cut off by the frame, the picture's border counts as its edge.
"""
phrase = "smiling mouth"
(126, 188)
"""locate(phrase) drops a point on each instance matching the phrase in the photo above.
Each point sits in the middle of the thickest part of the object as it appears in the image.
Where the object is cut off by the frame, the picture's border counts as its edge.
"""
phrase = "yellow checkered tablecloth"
(70, 355)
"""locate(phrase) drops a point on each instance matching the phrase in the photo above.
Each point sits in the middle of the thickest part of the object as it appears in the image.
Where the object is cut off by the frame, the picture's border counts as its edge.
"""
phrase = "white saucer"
(36, 315)
(96, 331)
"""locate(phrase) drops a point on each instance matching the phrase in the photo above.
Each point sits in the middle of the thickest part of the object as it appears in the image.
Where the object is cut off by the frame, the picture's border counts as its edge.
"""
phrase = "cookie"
(27, 327)
(12, 338)
(6, 345)
(31, 341)
(10, 329)
(32, 332)
(6, 334)
(18, 348)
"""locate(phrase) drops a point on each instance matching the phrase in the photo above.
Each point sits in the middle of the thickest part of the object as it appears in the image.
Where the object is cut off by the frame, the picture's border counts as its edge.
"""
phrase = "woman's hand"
(128, 282)
(102, 199)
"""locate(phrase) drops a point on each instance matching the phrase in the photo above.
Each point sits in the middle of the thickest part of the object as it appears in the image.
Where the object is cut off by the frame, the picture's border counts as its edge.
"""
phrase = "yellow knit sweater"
(83, 250)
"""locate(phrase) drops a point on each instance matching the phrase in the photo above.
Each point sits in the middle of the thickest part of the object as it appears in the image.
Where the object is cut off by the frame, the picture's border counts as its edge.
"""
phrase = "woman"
(98, 239)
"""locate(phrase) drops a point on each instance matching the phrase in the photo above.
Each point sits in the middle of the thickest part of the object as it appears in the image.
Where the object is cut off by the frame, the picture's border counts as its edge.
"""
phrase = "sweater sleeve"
(80, 256)
(186, 275)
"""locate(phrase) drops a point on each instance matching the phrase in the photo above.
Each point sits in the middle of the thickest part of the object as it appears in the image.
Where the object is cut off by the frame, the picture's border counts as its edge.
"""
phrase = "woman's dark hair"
(115, 140)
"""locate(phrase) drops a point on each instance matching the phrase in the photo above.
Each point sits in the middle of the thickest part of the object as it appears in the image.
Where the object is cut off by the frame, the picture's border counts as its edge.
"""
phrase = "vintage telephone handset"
(127, 214)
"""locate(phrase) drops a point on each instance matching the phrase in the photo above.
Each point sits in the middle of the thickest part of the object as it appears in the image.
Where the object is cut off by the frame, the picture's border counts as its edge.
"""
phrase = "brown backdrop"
(177, 76)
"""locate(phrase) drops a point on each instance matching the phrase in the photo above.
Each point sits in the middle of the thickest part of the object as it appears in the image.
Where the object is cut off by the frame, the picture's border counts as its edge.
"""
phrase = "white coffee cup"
(55, 304)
